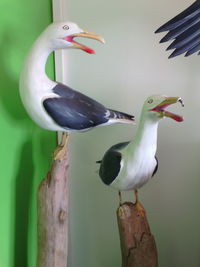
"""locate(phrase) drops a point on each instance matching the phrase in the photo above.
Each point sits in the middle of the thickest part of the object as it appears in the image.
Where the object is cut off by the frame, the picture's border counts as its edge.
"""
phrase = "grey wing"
(185, 30)
(156, 168)
(110, 166)
(75, 114)
(111, 163)
(74, 110)
(77, 111)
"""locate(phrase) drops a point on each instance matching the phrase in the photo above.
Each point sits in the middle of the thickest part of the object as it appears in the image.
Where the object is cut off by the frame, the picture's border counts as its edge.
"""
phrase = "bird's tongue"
(166, 113)
(85, 48)
(173, 116)
(81, 46)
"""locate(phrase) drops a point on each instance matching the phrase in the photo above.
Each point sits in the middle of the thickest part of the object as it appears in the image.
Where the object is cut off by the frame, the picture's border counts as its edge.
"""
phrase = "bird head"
(155, 107)
(61, 35)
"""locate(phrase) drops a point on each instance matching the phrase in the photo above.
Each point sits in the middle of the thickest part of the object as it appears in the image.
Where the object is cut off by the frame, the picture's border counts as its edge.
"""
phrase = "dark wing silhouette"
(76, 111)
(110, 164)
(184, 29)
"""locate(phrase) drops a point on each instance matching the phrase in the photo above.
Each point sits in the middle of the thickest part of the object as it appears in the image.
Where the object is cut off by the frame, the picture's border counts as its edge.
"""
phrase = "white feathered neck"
(35, 85)
(146, 135)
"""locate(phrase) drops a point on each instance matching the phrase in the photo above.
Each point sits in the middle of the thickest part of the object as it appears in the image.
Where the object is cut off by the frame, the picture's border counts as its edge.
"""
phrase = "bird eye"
(66, 27)
(150, 101)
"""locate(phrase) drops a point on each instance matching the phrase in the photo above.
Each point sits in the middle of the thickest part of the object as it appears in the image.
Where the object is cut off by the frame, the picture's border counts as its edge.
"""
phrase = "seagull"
(185, 30)
(130, 165)
(53, 105)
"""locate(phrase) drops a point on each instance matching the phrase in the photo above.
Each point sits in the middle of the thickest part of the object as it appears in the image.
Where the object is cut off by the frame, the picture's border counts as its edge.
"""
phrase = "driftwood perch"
(137, 243)
(53, 212)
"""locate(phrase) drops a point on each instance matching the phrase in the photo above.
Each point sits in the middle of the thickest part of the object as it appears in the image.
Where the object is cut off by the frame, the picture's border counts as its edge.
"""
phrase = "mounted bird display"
(185, 30)
(55, 106)
(130, 165)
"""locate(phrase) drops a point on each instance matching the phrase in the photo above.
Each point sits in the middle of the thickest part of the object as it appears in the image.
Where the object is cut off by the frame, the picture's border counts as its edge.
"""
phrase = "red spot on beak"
(88, 50)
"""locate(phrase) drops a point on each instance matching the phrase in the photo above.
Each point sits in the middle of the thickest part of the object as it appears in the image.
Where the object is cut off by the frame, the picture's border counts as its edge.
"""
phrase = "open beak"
(168, 101)
(85, 34)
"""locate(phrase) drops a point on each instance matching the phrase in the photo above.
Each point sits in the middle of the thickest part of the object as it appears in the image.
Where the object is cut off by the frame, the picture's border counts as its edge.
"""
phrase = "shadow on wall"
(11, 103)
(23, 193)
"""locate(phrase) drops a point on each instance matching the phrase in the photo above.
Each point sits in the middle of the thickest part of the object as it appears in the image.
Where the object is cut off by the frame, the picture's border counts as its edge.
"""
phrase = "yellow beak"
(172, 100)
(85, 34)
(90, 35)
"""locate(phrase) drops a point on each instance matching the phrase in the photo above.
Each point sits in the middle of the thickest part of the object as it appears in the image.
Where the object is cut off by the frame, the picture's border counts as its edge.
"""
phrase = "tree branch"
(53, 207)
(138, 246)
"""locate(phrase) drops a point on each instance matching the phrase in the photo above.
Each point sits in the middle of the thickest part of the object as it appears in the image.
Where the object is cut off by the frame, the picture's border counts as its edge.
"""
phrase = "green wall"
(25, 149)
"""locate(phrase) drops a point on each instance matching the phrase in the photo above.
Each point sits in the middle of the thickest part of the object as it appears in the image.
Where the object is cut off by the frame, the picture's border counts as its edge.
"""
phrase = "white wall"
(131, 66)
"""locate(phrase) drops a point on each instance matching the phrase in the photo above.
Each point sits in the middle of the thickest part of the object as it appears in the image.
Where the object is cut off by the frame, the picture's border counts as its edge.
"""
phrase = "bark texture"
(53, 213)
(137, 243)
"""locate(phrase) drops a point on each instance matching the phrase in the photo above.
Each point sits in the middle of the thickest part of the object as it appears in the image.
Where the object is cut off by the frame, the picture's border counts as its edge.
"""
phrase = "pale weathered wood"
(137, 243)
(53, 211)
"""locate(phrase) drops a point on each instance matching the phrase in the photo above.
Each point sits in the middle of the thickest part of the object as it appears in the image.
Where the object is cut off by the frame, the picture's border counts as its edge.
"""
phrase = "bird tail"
(98, 162)
(120, 117)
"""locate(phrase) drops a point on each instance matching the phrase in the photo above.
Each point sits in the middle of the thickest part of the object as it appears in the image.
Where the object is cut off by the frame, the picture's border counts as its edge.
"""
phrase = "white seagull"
(130, 165)
(185, 30)
(55, 106)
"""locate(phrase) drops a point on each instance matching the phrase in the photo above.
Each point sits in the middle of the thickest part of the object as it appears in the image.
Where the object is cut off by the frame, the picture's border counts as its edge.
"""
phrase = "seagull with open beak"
(55, 106)
(130, 165)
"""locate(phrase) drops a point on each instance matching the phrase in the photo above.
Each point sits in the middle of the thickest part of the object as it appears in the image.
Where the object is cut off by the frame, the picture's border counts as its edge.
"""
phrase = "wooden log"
(138, 246)
(53, 212)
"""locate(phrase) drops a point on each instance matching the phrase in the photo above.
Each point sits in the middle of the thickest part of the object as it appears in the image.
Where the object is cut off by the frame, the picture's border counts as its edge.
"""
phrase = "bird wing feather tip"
(129, 121)
(172, 55)
(182, 17)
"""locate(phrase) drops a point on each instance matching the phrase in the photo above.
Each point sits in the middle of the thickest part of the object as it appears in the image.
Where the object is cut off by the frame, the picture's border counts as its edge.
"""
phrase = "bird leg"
(64, 139)
(61, 149)
(120, 197)
(140, 209)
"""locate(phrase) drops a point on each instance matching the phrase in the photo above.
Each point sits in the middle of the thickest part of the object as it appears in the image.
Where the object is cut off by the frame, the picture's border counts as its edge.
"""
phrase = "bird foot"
(61, 149)
(59, 152)
(120, 198)
(140, 209)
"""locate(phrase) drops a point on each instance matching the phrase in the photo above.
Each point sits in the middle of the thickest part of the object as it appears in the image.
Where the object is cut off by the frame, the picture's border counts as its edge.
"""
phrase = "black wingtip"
(171, 46)
(185, 15)
(184, 29)
(189, 53)
(159, 30)
(99, 161)
(162, 40)
(176, 53)
(165, 39)
(165, 27)
(172, 55)
(121, 115)
(168, 26)
(193, 50)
